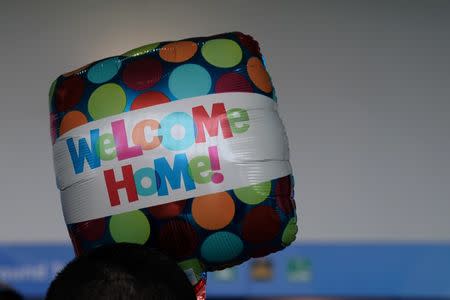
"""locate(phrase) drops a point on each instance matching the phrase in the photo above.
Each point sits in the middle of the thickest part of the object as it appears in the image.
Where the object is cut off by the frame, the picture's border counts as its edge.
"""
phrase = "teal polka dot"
(104, 70)
(221, 247)
(189, 80)
(222, 53)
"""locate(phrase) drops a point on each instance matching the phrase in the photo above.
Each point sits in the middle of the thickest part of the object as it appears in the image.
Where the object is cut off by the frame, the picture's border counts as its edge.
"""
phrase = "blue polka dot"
(189, 80)
(221, 247)
(104, 70)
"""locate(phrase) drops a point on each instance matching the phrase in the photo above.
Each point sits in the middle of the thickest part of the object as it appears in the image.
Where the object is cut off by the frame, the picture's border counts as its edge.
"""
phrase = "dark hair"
(9, 294)
(120, 272)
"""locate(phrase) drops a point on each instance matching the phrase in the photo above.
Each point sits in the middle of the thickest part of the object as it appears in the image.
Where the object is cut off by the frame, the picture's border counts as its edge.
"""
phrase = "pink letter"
(120, 137)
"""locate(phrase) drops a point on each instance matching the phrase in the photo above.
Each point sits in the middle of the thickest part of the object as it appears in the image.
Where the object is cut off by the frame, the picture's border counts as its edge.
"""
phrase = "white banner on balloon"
(165, 153)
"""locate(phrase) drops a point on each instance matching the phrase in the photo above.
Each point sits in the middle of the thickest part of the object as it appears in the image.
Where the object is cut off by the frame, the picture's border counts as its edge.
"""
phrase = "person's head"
(121, 272)
(7, 293)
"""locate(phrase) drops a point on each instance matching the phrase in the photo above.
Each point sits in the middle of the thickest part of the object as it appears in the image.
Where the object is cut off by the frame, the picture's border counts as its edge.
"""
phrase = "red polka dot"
(69, 93)
(248, 42)
(168, 210)
(76, 244)
(149, 99)
(233, 82)
(90, 230)
(142, 73)
(284, 195)
(53, 124)
(262, 224)
(178, 239)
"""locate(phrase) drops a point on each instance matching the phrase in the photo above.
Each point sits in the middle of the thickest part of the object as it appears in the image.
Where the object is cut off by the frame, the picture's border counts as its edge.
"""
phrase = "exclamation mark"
(217, 177)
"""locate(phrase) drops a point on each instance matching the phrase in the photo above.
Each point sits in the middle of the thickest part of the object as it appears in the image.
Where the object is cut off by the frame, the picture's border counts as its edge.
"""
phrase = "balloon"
(177, 146)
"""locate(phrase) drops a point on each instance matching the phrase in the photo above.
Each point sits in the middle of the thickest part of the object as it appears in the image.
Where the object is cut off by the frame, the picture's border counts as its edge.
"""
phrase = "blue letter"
(85, 153)
(182, 119)
(145, 173)
(180, 167)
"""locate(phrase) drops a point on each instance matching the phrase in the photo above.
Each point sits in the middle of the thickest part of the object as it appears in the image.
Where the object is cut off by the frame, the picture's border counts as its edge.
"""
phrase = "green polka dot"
(222, 53)
(221, 247)
(193, 269)
(141, 50)
(130, 227)
(289, 232)
(254, 194)
(107, 100)
(51, 92)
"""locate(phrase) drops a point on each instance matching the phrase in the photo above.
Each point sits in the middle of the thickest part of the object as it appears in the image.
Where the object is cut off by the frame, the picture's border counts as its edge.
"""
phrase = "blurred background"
(363, 89)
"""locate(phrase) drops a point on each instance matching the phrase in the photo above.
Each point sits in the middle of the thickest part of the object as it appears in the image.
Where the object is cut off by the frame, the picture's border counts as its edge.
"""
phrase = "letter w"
(84, 153)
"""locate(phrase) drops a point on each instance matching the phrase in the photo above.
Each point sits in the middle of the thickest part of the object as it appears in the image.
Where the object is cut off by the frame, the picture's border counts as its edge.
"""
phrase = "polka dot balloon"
(217, 229)
(206, 231)
(159, 73)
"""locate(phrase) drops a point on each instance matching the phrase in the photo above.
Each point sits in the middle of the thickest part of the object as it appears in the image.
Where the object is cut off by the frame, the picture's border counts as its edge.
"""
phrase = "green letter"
(106, 147)
(238, 119)
(199, 165)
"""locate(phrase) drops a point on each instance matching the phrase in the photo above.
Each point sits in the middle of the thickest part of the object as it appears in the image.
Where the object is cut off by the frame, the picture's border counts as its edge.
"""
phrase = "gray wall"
(363, 86)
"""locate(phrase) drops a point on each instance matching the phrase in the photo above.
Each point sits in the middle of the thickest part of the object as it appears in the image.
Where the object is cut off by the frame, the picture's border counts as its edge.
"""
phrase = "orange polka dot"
(72, 120)
(214, 211)
(178, 51)
(259, 75)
